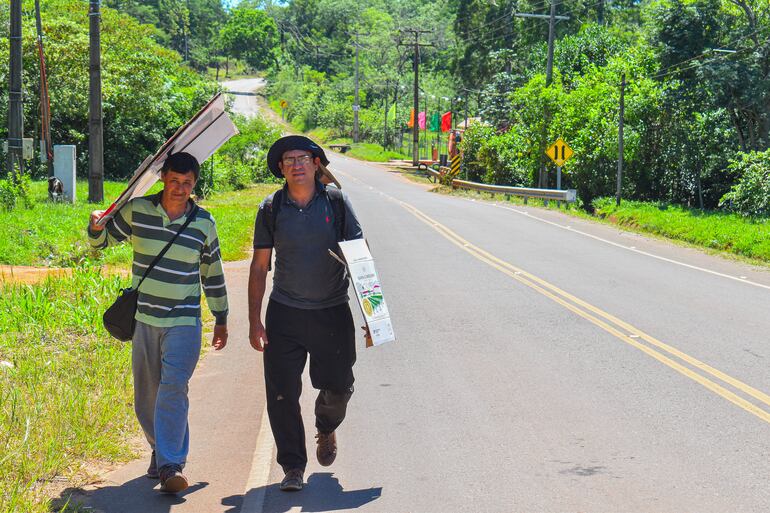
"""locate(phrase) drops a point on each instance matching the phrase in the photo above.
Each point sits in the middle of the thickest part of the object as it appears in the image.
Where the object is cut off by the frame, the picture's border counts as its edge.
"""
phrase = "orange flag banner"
(410, 124)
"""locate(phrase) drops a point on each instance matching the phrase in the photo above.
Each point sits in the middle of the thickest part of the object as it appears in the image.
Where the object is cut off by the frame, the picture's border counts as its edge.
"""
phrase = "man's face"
(298, 166)
(177, 186)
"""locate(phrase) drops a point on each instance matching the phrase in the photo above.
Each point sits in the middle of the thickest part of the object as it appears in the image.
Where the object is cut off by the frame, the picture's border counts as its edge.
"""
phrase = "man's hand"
(219, 340)
(257, 336)
(95, 215)
(367, 336)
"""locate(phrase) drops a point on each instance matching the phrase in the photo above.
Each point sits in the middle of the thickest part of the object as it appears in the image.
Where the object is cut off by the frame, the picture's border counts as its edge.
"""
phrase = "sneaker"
(292, 481)
(326, 451)
(172, 480)
(152, 470)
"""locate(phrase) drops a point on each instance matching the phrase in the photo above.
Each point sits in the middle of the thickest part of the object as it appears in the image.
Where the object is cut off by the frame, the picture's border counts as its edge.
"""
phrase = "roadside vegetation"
(54, 234)
(724, 232)
(65, 387)
(732, 233)
(59, 367)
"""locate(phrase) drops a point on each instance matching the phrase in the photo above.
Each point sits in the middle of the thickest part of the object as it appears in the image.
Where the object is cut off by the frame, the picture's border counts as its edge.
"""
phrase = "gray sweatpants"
(163, 360)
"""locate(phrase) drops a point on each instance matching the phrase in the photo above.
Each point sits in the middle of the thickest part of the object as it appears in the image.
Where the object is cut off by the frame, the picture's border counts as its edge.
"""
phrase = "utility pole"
(385, 127)
(552, 19)
(620, 137)
(46, 145)
(416, 102)
(15, 112)
(95, 146)
(356, 106)
(600, 13)
(466, 110)
(551, 31)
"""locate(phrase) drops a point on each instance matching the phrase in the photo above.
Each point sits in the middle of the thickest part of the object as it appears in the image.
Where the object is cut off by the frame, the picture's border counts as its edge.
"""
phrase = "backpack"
(273, 206)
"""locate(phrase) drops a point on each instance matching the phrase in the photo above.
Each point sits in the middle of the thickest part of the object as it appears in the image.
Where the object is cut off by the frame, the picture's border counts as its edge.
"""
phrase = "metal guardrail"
(568, 196)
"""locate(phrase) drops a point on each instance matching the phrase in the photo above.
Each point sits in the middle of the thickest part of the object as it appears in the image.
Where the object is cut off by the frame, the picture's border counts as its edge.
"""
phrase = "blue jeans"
(163, 360)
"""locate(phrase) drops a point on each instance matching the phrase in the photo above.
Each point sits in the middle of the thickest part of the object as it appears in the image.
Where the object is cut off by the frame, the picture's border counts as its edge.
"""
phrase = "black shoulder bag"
(119, 319)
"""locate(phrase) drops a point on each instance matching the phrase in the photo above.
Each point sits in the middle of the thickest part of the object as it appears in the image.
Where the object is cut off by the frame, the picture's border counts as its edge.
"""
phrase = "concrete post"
(64, 169)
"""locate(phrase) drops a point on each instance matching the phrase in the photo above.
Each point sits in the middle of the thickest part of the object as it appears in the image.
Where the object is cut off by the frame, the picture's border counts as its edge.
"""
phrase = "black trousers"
(328, 336)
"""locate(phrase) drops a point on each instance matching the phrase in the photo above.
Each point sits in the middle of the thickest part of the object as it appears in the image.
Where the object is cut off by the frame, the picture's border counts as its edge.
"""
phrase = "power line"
(664, 72)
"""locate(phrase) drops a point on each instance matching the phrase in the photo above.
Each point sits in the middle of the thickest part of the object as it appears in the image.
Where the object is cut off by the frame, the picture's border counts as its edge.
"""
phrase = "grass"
(65, 387)
(368, 151)
(66, 402)
(54, 234)
(234, 213)
(722, 232)
(731, 233)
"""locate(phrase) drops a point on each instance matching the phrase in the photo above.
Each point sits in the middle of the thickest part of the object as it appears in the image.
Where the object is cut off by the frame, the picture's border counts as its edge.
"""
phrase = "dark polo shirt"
(306, 276)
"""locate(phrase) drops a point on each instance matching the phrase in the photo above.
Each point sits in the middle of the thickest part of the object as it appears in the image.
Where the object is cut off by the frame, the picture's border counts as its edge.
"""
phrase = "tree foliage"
(250, 35)
(147, 92)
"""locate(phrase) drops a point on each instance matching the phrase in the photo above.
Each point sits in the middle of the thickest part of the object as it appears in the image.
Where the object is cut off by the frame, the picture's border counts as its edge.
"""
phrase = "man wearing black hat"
(308, 312)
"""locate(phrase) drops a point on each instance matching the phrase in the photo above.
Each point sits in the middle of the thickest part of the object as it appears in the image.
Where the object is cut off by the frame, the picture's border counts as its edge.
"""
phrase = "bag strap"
(190, 217)
(338, 208)
(272, 205)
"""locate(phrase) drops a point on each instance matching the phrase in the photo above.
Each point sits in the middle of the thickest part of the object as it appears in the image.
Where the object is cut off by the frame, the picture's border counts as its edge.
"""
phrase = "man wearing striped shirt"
(167, 339)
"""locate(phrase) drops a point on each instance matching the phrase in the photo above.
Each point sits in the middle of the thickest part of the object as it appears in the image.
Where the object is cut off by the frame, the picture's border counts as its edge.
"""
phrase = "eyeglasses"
(301, 160)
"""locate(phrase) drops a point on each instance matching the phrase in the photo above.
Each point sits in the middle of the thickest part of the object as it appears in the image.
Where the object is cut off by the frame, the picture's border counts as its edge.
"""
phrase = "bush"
(507, 159)
(474, 138)
(751, 195)
(15, 193)
(242, 160)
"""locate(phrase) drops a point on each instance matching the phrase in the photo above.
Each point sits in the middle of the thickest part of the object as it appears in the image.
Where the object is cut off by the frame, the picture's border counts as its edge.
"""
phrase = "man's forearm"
(257, 284)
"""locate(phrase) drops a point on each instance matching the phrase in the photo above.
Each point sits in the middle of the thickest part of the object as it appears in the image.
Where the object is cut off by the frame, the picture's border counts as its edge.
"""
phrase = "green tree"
(250, 34)
(147, 91)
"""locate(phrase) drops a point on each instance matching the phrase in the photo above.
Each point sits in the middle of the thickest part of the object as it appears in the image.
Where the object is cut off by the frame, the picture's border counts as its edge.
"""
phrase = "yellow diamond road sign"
(284, 104)
(559, 152)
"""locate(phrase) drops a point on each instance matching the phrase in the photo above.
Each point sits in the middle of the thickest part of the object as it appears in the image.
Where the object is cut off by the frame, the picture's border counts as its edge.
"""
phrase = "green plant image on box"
(372, 300)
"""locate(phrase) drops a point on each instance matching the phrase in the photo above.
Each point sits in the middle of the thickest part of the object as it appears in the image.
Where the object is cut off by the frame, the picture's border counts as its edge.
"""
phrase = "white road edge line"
(741, 279)
(254, 494)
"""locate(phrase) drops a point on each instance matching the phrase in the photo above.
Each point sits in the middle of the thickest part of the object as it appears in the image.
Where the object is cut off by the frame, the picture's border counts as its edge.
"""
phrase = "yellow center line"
(595, 315)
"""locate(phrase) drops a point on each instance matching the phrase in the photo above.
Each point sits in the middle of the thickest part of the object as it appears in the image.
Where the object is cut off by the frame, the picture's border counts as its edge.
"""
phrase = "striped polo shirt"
(171, 293)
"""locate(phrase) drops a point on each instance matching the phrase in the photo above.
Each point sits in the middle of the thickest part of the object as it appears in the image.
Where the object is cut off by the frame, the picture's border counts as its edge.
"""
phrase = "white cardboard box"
(368, 290)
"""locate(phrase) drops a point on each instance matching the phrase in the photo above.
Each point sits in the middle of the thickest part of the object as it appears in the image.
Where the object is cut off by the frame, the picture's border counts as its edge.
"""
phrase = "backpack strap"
(338, 208)
(272, 207)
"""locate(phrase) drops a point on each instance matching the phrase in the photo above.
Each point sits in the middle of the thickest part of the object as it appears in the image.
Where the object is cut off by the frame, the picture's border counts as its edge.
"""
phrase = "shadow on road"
(322, 492)
(130, 497)
(241, 93)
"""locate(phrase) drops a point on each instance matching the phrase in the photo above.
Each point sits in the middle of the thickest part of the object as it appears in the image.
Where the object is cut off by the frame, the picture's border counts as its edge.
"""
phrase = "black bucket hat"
(288, 143)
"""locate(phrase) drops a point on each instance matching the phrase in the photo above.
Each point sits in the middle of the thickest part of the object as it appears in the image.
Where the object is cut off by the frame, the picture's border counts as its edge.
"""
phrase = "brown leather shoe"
(326, 452)
(152, 470)
(293, 480)
(172, 480)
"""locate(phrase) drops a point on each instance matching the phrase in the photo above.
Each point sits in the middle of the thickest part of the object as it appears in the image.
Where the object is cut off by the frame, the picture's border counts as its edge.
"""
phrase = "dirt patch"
(25, 274)
(30, 275)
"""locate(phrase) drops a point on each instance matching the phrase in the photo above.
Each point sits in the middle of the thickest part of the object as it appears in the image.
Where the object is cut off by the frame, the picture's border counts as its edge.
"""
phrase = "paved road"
(243, 95)
(543, 364)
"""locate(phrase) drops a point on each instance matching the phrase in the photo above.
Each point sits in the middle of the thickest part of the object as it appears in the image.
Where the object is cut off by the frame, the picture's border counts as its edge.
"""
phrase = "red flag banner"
(446, 122)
